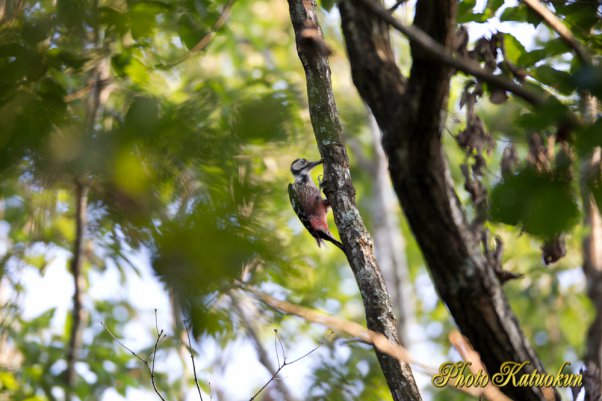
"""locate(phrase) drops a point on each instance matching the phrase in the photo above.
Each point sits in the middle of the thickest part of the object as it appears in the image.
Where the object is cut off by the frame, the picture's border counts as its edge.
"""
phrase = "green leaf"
(553, 47)
(61, 57)
(263, 119)
(590, 79)
(327, 4)
(18, 61)
(588, 137)
(190, 29)
(581, 16)
(520, 14)
(550, 114)
(73, 14)
(559, 80)
(115, 20)
(465, 12)
(475, 17)
(494, 5)
(142, 17)
(136, 71)
(513, 49)
(36, 30)
(142, 117)
(41, 321)
(540, 203)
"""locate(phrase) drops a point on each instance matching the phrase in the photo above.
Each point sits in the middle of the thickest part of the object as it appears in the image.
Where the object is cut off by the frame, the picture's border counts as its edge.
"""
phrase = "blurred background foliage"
(184, 137)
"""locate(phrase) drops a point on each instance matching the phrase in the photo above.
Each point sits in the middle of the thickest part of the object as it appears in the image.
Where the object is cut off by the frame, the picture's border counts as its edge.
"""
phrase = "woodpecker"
(308, 203)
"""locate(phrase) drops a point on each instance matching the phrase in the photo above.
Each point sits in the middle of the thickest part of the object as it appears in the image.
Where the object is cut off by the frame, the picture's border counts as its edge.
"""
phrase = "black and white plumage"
(308, 203)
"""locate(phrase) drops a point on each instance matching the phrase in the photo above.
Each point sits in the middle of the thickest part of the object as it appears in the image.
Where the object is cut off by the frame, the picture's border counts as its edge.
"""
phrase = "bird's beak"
(314, 164)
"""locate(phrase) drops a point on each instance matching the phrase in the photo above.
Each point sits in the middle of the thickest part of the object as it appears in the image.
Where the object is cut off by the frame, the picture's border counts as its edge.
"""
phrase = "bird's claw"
(322, 183)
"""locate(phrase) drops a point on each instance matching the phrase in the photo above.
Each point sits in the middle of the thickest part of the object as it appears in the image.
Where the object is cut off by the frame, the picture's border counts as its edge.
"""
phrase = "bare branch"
(553, 22)
(150, 361)
(153, 355)
(284, 363)
(370, 337)
(249, 320)
(435, 50)
(196, 380)
(144, 361)
(465, 349)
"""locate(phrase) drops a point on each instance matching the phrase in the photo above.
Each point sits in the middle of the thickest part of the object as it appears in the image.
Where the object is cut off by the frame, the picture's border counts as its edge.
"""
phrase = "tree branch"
(433, 49)
(409, 114)
(75, 340)
(191, 351)
(148, 362)
(565, 34)
(284, 363)
(341, 194)
(249, 320)
(379, 341)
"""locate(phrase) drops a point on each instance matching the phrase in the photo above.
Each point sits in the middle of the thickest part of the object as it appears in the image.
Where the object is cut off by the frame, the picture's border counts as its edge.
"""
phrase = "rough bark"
(409, 114)
(341, 194)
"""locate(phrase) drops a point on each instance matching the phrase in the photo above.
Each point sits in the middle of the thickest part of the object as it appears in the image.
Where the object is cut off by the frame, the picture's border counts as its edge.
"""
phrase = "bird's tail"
(328, 237)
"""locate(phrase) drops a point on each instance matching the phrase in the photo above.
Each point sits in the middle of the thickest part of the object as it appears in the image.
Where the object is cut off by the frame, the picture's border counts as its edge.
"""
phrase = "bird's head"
(302, 167)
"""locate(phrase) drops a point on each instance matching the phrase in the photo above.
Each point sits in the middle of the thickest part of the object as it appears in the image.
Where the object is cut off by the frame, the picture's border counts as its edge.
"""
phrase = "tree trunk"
(409, 114)
(341, 194)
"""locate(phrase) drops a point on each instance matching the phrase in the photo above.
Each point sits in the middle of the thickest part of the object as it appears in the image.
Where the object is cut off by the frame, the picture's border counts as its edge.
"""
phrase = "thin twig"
(556, 24)
(284, 363)
(249, 320)
(144, 361)
(437, 51)
(281, 345)
(150, 361)
(196, 380)
(276, 348)
(152, 369)
(153, 355)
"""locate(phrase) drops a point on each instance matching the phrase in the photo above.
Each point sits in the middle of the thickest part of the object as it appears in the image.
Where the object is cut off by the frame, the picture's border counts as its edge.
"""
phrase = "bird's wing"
(292, 194)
